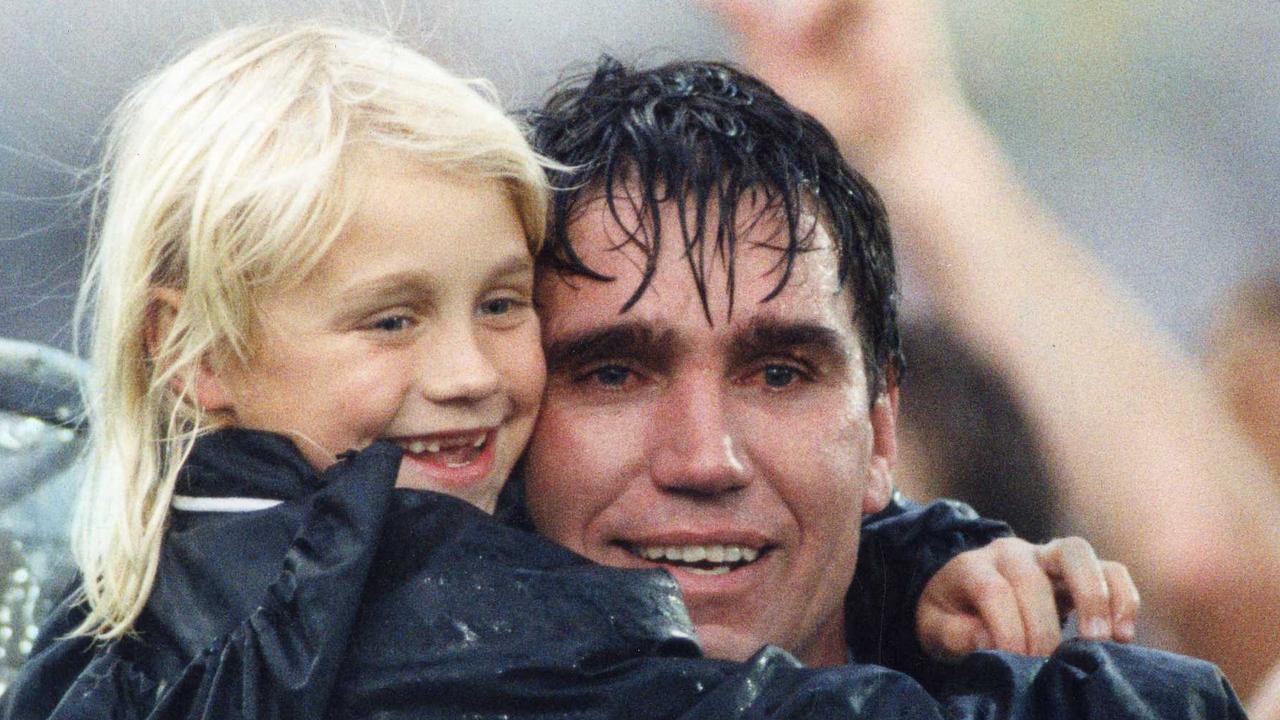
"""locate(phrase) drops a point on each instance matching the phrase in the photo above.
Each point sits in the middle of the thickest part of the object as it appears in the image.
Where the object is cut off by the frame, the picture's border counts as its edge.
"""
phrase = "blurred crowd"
(1039, 390)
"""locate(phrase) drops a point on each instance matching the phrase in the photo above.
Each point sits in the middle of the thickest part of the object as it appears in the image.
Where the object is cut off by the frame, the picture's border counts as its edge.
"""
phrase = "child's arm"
(283, 660)
(280, 662)
(902, 548)
(937, 580)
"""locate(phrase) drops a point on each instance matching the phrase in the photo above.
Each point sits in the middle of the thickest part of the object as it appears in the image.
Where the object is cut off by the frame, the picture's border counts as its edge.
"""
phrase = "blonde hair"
(224, 175)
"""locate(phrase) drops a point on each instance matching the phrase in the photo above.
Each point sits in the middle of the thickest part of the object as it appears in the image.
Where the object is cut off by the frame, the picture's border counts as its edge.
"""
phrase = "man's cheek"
(547, 508)
(554, 478)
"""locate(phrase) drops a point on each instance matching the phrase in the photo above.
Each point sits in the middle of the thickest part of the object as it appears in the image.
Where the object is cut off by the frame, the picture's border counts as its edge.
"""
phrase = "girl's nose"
(459, 370)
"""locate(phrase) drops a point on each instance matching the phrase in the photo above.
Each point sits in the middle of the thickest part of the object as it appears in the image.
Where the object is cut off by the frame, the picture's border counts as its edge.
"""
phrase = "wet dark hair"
(707, 136)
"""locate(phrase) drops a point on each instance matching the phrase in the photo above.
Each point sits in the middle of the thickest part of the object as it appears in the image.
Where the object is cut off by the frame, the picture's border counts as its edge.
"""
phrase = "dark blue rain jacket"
(354, 599)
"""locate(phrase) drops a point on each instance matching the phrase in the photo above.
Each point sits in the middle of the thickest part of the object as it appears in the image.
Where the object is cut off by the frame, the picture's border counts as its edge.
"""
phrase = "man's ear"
(884, 450)
(210, 391)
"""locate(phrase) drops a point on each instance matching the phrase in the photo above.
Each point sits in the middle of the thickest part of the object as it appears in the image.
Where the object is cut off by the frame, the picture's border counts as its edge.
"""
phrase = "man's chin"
(727, 643)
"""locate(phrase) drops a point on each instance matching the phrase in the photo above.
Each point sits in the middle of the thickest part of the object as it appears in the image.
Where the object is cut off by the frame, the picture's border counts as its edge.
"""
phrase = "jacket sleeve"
(767, 689)
(902, 547)
(282, 660)
(1084, 678)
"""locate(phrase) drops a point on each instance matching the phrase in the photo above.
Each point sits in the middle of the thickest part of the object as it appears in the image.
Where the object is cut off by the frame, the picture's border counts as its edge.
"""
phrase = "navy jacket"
(353, 599)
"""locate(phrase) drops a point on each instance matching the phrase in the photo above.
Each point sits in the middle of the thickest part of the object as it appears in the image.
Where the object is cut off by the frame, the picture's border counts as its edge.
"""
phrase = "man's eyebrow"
(633, 340)
(763, 336)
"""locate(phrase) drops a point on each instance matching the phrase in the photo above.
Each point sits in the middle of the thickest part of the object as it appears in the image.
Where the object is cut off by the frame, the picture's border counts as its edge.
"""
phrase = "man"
(719, 318)
(719, 301)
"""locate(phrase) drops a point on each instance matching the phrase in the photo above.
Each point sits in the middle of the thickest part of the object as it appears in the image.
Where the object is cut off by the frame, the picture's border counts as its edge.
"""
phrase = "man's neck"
(827, 646)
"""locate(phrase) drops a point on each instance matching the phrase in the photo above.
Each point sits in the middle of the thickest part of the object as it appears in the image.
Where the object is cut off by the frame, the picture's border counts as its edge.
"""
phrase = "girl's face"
(416, 327)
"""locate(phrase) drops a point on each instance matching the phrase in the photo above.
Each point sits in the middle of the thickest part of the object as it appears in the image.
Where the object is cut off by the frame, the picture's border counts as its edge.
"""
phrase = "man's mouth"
(699, 559)
(451, 451)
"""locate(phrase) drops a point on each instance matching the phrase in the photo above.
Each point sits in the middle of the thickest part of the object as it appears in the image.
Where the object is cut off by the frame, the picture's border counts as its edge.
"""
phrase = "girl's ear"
(210, 391)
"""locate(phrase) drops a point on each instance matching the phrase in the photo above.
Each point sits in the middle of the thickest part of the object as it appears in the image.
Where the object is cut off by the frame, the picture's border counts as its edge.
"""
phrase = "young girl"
(312, 286)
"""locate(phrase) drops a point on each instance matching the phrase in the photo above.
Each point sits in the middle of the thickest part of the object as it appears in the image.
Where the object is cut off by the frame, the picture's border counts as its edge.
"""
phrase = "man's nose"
(695, 448)
(457, 368)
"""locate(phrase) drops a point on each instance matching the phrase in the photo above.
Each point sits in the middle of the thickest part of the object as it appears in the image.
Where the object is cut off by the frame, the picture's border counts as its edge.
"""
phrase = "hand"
(865, 68)
(1265, 702)
(1011, 595)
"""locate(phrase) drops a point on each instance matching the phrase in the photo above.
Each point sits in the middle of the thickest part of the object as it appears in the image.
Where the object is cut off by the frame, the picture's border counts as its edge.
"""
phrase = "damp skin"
(662, 429)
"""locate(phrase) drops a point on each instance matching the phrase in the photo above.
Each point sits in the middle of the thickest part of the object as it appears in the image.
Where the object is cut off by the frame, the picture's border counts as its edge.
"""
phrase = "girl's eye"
(504, 311)
(392, 323)
(497, 306)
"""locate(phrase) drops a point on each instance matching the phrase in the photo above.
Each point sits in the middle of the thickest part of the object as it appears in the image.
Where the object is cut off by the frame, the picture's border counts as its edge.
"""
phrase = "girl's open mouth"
(450, 463)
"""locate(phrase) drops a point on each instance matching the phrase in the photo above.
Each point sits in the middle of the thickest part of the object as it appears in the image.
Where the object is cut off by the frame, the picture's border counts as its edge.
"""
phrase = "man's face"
(739, 456)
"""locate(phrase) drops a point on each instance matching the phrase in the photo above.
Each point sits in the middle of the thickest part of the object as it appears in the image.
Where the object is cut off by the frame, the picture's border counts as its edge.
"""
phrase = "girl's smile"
(417, 326)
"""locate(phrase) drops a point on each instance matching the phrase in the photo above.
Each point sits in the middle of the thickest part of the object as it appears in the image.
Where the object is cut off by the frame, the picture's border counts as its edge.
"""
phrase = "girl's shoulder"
(73, 676)
(215, 572)
(249, 609)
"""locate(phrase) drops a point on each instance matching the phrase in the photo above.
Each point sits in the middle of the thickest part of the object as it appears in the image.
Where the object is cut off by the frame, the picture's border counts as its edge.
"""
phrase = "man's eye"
(780, 376)
(610, 375)
(392, 323)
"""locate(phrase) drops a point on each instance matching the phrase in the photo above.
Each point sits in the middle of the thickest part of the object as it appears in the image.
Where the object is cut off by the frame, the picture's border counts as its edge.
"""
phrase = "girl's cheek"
(523, 365)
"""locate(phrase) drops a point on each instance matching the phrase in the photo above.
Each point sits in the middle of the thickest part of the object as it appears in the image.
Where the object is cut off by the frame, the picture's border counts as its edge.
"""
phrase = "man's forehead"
(618, 240)
(757, 212)
(670, 312)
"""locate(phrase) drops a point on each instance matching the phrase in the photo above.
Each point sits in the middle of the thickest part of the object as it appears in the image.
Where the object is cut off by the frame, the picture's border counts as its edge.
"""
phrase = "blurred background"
(1152, 128)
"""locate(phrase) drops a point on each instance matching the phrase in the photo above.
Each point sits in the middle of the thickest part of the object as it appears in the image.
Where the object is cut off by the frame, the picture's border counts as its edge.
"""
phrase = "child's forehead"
(410, 226)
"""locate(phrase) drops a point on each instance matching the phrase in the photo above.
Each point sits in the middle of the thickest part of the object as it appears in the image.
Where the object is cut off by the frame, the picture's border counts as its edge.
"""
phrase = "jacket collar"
(235, 462)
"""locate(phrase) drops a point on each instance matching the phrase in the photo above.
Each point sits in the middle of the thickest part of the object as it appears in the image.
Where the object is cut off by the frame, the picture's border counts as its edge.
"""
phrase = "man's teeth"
(715, 559)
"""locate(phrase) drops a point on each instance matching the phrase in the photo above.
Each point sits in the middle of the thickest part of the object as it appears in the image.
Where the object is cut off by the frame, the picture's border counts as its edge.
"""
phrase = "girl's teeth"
(417, 447)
